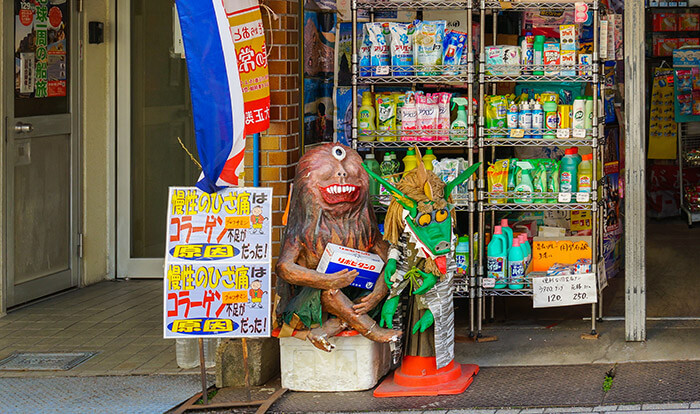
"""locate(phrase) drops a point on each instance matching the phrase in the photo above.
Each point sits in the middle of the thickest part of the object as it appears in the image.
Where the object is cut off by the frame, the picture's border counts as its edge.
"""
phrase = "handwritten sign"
(552, 291)
(217, 263)
(547, 251)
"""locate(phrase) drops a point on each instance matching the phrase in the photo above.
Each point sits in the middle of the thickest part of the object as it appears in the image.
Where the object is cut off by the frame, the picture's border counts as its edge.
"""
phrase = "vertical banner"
(249, 39)
(217, 263)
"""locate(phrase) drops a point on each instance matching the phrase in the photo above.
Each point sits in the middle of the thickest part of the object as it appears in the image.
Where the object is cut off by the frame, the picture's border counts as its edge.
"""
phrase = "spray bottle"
(524, 184)
(461, 121)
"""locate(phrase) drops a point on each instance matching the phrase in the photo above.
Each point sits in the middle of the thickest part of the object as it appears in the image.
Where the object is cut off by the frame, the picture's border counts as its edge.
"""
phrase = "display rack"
(492, 138)
(459, 75)
(688, 139)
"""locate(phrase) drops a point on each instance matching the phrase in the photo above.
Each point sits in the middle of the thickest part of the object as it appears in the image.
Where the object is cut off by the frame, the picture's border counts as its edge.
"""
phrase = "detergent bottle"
(585, 174)
(577, 155)
(527, 249)
(537, 118)
(516, 266)
(462, 121)
(524, 184)
(373, 165)
(462, 256)
(409, 161)
(508, 232)
(497, 258)
(366, 117)
(568, 170)
(428, 159)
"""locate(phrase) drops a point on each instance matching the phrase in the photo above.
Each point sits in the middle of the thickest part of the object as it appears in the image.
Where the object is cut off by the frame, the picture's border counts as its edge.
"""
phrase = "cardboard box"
(665, 22)
(568, 57)
(664, 47)
(551, 57)
(688, 41)
(568, 37)
(689, 22)
(336, 258)
(585, 59)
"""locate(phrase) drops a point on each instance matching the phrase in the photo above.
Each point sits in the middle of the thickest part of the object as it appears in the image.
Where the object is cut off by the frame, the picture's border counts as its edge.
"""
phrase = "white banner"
(567, 290)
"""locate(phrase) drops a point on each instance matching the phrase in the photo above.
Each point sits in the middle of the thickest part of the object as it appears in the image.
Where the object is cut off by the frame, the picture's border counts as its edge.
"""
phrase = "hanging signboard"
(217, 263)
(569, 290)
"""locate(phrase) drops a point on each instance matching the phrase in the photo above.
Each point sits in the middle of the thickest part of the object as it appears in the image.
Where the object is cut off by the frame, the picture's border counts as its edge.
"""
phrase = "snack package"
(696, 78)
(386, 116)
(582, 266)
(551, 57)
(686, 103)
(497, 175)
(409, 116)
(443, 102)
(502, 57)
(428, 115)
(427, 46)
(401, 47)
(665, 22)
(688, 41)
(453, 49)
(664, 47)
(365, 52)
(685, 80)
(379, 48)
(689, 22)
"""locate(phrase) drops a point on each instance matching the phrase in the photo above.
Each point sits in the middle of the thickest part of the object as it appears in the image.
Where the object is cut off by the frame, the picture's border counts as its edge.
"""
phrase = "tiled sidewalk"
(122, 320)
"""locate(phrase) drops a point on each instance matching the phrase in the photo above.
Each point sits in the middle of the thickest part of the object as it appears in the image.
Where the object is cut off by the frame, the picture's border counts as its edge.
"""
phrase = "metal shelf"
(461, 202)
(410, 144)
(539, 78)
(530, 4)
(371, 75)
(412, 4)
(502, 137)
(506, 292)
(416, 135)
(485, 205)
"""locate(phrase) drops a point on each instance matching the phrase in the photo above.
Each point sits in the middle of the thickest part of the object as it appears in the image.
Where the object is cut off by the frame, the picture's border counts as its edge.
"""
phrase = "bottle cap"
(428, 151)
(587, 157)
(504, 222)
(497, 230)
(410, 152)
(589, 98)
(463, 239)
(575, 149)
(571, 151)
(516, 242)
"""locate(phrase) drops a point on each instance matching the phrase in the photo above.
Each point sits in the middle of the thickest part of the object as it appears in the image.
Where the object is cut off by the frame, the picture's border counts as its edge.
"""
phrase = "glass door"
(154, 118)
(41, 131)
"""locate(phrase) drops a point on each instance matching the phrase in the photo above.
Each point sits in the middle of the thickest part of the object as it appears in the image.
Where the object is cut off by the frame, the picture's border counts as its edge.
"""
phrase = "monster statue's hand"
(429, 281)
(342, 278)
(425, 322)
(388, 311)
(389, 271)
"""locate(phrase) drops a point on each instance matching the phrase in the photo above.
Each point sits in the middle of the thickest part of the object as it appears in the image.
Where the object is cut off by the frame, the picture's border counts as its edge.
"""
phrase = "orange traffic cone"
(419, 376)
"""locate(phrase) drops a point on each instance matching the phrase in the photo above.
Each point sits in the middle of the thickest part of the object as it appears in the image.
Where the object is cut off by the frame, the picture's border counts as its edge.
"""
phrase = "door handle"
(21, 127)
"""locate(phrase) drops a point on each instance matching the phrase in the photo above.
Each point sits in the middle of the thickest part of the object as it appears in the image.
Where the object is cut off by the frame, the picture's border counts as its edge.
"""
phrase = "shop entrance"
(41, 147)
(153, 112)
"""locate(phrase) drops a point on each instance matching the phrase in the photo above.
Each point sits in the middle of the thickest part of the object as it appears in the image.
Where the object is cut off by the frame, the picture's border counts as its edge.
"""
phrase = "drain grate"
(41, 361)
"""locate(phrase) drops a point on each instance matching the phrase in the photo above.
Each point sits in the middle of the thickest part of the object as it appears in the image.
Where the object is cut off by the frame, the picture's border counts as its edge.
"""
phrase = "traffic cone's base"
(389, 388)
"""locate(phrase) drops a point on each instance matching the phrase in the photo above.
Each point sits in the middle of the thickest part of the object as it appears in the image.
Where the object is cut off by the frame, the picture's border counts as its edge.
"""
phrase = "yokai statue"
(419, 224)
(329, 204)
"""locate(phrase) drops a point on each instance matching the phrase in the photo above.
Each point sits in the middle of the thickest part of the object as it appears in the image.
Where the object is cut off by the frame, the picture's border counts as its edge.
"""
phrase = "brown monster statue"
(329, 204)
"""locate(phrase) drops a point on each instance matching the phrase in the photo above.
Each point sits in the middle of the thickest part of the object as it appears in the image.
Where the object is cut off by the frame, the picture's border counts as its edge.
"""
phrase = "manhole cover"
(38, 361)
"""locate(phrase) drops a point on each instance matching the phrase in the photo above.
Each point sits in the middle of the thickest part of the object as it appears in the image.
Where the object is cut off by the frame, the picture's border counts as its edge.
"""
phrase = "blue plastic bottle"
(462, 256)
(516, 266)
(508, 232)
(568, 170)
(497, 258)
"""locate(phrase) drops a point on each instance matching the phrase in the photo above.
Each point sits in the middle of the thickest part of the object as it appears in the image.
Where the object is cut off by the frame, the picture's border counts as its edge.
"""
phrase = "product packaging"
(664, 47)
(603, 52)
(497, 175)
(665, 22)
(379, 49)
(428, 115)
(336, 258)
(505, 58)
(585, 59)
(568, 58)
(496, 111)
(409, 116)
(689, 22)
(428, 39)
(551, 57)
(453, 48)
(401, 48)
(400, 100)
(443, 103)
(386, 116)
(365, 53)
(568, 36)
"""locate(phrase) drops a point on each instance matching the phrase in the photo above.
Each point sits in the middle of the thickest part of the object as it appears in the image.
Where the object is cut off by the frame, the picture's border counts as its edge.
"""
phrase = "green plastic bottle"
(538, 54)
(461, 121)
(409, 161)
(585, 174)
(366, 118)
(568, 172)
(428, 159)
(462, 256)
(373, 165)
(551, 119)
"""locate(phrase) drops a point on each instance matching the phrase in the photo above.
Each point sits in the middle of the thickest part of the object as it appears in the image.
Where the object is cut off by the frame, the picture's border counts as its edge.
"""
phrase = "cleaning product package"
(400, 100)
(428, 39)
(453, 47)
(365, 53)
(539, 182)
(461, 123)
(379, 48)
(409, 116)
(496, 111)
(443, 103)
(553, 181)
(551, 58)
(503, 60)
(497, 175)
(427, 117)
(524, 183)
(401, 48)
(386, 117)
(568, 58)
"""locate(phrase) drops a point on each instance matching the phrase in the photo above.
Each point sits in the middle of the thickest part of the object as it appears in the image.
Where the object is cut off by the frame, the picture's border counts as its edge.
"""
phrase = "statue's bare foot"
(379, 334)
(321, 342)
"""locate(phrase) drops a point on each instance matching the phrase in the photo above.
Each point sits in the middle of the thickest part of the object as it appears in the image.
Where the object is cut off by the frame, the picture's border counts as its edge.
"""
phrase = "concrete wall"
(98, 106)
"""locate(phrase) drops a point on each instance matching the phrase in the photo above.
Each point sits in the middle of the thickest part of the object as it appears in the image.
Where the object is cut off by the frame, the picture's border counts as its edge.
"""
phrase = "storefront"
(98, 175)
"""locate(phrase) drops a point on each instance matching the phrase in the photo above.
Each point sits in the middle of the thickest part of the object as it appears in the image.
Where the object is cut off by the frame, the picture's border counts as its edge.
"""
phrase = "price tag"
(488, 282)
(564, 197)
(517, 133)
(382, 70)
(563, 133)
(579, 133)
(569, 290)
(583, 197)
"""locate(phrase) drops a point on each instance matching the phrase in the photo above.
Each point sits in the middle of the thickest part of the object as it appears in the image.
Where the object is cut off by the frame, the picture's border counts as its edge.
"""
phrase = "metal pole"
(471, 276)
(203, 372)
(245, 367)
(256, 160)
(635, 152)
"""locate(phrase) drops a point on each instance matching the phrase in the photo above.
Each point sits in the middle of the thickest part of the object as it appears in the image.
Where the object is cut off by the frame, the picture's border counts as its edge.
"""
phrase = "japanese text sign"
(217, 263)
(547, 251)
(551, 291)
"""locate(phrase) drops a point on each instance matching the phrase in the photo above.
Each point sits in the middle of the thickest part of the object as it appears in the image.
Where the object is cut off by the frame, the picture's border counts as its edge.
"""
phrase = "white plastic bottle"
(537, 118)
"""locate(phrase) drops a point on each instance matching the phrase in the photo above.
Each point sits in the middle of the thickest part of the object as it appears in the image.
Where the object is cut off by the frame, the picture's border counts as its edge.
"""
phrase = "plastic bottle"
(395, 165)
(187, 352)
(525, 116)
(461, 121)
(526, 47)
(585, 174)
(497, 258)
(551, 119)
(538, 54)
(366, 117)
(428, 159)
(524, 184)
(579, 113)
(525, 245)
(516, 266)
(588, 116)
(462, 256)
(409, 161)
(505, 229)
(513, 115)
(577, 155)
(568, 172)
(373, 165)
(537, 118)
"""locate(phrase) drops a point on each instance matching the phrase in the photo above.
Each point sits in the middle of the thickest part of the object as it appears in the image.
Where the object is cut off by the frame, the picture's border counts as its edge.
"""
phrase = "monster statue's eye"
(338, 153)
(441, 215)
(424, 219)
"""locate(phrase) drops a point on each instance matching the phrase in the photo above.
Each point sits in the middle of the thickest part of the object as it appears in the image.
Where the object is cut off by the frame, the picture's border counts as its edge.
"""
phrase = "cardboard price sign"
(546, 251)
(568, 290)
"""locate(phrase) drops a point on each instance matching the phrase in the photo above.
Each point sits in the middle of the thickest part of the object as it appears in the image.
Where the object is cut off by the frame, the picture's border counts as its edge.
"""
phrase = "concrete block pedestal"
(263, 362)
